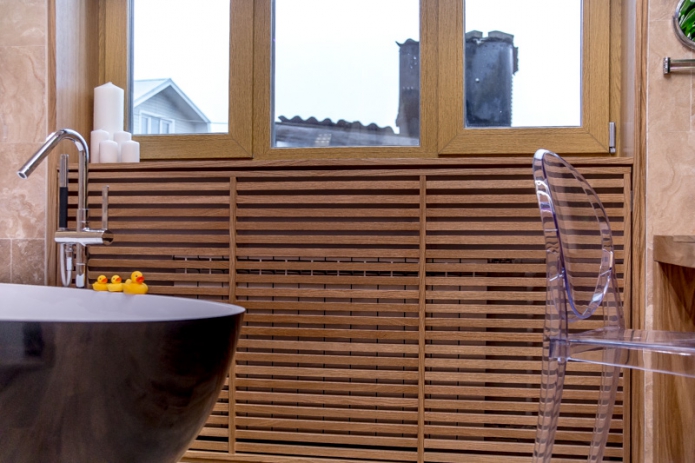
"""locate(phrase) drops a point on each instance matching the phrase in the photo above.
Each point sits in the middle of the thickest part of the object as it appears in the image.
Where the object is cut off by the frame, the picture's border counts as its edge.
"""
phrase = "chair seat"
(659, 351)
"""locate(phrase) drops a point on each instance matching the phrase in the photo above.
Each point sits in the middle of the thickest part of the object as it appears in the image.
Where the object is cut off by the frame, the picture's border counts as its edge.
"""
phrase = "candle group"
(109, 143)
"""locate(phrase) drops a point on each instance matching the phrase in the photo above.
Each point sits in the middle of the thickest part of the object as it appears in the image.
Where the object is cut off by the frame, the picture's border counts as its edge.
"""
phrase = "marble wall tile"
(23, 23)
(23, 109)
(23, 90)
(22, 202)
(661, 9)
(5, 261)
(671, 183)
(28, 262)
(668, 96)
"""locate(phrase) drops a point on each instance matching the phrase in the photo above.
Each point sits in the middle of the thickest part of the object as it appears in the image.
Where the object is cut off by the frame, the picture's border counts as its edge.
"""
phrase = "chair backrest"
(578, 237)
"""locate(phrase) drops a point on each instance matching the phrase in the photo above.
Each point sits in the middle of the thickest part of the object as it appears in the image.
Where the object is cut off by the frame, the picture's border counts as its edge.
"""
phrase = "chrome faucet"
(83, 235)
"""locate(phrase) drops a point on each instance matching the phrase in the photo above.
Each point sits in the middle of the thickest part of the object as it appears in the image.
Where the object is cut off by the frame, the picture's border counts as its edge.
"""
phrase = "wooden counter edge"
(675, 250)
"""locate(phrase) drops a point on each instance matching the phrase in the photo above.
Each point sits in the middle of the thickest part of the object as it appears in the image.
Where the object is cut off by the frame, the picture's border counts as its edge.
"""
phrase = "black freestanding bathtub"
(96, 377)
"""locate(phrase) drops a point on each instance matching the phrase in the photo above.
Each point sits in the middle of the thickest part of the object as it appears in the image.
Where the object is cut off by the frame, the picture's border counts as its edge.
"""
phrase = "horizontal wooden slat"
(333, 320)
(350, 333)
(326, 212)
(435, 199)
(329, 279)
(328, 239)
(355, 444)
(531, 211)
(341, 418)
(336, 266)
(192, 265)
(328, 400)
(340, 386)
(328, 346)
(326, 252)
(115, 200)
(351, 200)
(178, 185)
(318, 185)
(498, 184)
(306, 225)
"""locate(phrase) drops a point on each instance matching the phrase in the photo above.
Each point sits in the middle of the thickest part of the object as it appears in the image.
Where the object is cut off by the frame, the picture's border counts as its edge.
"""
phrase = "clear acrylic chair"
(581, 278)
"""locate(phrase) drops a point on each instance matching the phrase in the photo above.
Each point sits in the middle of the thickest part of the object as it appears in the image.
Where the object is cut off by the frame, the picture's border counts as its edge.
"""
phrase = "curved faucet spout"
(83, 153)
(83, 234)
(51, 141)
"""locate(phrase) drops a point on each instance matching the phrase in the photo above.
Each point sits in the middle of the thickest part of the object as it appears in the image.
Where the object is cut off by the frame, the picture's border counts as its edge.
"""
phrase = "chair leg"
(552, 382)
(609, 387)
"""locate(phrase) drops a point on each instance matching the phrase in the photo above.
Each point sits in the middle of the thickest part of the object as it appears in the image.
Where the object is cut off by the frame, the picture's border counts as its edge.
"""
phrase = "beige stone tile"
(692, 104)
(668, 96)
(5, 261)
(22, 202)
(661, 9)
(28, 267)
(670, 183)
(23, 90)
(23, 22)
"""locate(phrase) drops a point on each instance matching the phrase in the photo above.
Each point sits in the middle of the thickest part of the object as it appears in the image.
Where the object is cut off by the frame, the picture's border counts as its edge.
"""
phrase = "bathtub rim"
(19, 303)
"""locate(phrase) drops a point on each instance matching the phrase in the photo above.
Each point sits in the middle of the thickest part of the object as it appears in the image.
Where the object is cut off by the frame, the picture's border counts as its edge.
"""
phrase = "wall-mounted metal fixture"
(74, 242)
(673, 65)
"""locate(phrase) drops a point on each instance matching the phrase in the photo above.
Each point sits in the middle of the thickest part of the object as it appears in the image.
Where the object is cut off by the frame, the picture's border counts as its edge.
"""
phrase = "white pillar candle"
(130, 151)
(121, 136)
(108, 151)
(108, 108)
(97, 137)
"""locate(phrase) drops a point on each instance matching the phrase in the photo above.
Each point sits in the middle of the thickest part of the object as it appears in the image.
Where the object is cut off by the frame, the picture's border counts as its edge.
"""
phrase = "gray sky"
(189, 42)
(338, 59)
(547, 88)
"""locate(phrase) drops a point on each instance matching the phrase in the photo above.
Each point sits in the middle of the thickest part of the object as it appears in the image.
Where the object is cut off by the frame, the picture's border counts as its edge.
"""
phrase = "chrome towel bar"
(673, 65)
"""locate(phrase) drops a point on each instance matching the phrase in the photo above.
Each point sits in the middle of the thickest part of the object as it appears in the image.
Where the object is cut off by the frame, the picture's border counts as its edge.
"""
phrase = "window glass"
(346, 73)
(523, 63)
(180, 66)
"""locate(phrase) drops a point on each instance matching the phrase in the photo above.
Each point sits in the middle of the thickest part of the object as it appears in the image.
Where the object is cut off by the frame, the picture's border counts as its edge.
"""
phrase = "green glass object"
(686, 18)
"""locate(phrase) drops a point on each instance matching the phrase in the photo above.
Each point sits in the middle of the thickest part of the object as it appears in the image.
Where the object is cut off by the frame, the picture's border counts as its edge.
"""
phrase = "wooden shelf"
(674, 310)
(675, 250)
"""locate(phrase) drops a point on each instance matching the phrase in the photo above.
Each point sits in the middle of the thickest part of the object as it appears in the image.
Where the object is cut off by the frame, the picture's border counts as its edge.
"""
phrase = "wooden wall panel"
(485, 310)
(392, 314)
(328, 361)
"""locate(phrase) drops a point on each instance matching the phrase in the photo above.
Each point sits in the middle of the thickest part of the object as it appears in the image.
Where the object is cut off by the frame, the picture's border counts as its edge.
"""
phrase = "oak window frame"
(442, 123)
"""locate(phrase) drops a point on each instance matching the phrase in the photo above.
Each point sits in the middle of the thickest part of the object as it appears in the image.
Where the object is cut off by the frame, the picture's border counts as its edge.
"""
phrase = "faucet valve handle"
(105, 208)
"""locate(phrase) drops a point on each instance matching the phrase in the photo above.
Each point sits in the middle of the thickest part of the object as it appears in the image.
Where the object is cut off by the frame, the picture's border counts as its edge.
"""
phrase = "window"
(181, 63)
(591, 136)
(216, 137)
(346, 73)
(150, 124)
(278, 52)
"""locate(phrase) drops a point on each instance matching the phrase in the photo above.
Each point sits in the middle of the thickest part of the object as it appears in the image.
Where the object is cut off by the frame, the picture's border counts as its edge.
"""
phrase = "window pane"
(181, 65)
(346, 73)
(523, 63)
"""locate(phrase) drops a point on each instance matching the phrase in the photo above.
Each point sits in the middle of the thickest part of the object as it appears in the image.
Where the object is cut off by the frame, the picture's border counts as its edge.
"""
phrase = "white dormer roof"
(145, 89)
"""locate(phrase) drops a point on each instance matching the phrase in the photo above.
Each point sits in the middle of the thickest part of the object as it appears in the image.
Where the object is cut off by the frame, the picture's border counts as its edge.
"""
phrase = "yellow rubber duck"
(135, 284)
(115, 286)
(100, 284)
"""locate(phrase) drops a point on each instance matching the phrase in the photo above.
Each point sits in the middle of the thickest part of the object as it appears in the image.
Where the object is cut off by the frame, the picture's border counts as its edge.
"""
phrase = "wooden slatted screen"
(485, 310)
(393, 315)
(328, 271)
